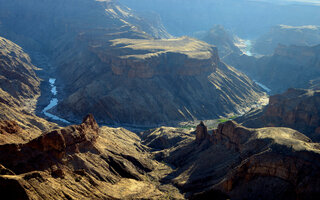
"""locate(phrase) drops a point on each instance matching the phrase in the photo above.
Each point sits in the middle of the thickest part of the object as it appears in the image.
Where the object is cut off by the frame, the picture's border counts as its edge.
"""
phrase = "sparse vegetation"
(222, 120)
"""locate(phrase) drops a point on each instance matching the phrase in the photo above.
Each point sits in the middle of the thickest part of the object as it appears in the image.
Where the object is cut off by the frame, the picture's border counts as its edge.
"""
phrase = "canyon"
(121, 72)
(73, 76)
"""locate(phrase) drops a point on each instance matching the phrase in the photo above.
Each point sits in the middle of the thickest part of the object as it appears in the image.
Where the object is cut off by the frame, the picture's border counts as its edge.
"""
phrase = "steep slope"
(81, 162)
(287, 35)
(296, 108)
(139, 81)
(225, 43)
(19, 91)
(289, 67)
(235, 162)
(31, 24)
(109, 64)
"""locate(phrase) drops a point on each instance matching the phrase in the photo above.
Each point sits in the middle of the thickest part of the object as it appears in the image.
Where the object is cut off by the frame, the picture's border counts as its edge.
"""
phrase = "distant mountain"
(246, 18)
(224, 41)
(289, 67)
(287, 35)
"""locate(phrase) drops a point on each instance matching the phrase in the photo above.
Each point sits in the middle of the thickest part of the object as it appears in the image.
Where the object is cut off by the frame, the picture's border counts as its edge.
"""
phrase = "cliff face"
(19, 91)
(287, 35)
(81, 162)
(234, 162)
(109, 64)
(225, 42)
(160, 81)
(289, 67)
(296, 108)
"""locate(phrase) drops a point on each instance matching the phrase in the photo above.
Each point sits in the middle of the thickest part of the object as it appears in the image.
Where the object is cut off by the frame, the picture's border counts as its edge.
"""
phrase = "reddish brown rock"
(265, 163)
(201, 133)
(79, 162)
(297, 108)
(9, 127)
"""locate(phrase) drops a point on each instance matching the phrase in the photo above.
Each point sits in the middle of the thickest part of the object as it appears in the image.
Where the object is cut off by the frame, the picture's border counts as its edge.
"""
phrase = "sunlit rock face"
(140, 81)
(296, 108)
(235, 162)
(79, 162)
(19, 91)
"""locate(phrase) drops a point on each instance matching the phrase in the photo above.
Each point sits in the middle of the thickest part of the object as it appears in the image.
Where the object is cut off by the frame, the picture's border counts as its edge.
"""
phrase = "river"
(53, 102)
(263, 86)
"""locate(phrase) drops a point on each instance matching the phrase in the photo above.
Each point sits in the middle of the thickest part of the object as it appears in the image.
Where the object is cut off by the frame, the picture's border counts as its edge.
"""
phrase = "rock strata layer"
(235, 162)
(112, 63)
(296, 108)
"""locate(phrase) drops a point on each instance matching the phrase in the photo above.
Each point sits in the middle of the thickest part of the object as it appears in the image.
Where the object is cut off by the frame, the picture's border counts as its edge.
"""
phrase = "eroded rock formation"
(296, 108)
(81, 162)
(236, 162)
(109, 63)
(225, 42)
(19, 91)
(201, 132)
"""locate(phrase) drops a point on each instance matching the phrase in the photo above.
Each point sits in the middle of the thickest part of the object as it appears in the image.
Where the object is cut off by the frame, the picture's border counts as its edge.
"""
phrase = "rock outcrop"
(201, 132)
(171, 80)
(19, 91)
(225, 43)
(296, 108)
(166, 138)
(81, 162)
(236, 162)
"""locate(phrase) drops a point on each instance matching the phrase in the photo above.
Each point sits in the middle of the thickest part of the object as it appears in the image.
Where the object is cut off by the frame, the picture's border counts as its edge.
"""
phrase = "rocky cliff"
(19, 89)
(109, 64)
(225, 42)
(296, 108)
(139, 81)
(234, 162)
(81, 162)
(287, 35)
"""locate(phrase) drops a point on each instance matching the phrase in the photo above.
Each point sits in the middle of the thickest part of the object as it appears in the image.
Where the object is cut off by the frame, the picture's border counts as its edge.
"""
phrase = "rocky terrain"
(287, 35)
(289, 67)
(234, 162)
(149, 82)
(108, 62)
(82, 162)
(296, 108)
(40, 160)
(103, 58)
(225, 42)
(19, 89)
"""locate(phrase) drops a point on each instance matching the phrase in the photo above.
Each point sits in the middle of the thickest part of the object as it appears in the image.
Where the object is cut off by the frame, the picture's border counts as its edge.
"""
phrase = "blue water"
(53, 103)
(263, 86)
(248, 47)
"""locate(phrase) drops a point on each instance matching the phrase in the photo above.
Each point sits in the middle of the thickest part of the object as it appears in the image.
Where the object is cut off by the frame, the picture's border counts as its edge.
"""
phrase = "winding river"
(246, 48)
(263, 86)
(53, 103)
